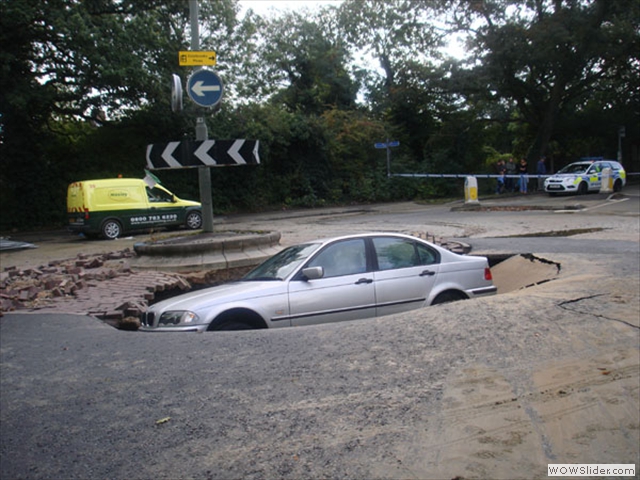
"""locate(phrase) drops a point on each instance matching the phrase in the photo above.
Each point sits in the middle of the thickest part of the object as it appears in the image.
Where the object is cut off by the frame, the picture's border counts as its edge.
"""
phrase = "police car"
(585, 176)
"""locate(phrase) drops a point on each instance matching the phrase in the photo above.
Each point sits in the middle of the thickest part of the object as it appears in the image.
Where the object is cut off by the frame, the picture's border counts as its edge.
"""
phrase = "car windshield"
(575, 168)
(282, 264)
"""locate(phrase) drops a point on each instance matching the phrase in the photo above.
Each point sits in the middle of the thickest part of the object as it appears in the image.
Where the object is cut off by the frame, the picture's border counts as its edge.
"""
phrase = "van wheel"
(194, 220)
(111, 229)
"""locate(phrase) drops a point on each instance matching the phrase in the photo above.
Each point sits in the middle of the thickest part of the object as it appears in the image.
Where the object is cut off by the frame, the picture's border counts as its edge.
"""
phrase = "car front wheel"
(228, 325)
(617, 186)
(583, 188)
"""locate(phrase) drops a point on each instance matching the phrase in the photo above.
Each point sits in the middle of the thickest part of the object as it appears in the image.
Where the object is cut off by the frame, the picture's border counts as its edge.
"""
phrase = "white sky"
(267, 7)
(263, 7)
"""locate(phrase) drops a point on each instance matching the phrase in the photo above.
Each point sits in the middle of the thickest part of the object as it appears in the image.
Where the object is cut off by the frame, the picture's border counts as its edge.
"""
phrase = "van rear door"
(76, 205)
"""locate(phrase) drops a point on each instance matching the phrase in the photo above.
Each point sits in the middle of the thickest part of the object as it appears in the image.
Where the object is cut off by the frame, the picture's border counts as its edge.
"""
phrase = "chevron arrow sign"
(207, 153)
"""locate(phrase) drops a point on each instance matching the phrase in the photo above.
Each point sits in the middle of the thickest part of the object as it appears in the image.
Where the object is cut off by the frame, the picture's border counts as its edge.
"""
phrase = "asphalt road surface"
(492, 388)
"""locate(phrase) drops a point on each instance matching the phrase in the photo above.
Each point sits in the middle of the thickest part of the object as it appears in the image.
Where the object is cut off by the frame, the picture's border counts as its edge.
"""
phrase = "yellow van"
(113, 206)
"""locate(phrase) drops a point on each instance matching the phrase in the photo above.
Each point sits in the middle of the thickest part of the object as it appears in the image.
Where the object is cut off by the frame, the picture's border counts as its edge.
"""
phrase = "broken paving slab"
(6, 244)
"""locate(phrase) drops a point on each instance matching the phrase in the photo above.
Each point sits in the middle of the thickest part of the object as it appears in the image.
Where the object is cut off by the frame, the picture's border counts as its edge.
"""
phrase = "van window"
(157, 195)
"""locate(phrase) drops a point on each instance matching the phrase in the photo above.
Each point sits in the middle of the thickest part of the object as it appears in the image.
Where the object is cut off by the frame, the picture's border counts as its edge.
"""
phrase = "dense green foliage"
(85, 87)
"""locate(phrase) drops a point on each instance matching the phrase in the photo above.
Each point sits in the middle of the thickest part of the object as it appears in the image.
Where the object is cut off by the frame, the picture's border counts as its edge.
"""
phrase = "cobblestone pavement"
(103, 286)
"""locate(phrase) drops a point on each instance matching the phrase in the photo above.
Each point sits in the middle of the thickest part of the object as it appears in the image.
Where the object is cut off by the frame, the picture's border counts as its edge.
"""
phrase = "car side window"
(393, 253)
(427, 255)
(346, 257)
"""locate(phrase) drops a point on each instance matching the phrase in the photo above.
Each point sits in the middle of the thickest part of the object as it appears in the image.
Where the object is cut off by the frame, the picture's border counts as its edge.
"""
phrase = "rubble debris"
(103, 286)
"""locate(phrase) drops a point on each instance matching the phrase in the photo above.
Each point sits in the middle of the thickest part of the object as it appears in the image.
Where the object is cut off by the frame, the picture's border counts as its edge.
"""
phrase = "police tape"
(476, 175)
(458, 175)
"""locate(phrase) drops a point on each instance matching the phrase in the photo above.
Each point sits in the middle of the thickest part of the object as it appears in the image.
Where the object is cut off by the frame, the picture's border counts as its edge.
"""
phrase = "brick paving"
(103, 286)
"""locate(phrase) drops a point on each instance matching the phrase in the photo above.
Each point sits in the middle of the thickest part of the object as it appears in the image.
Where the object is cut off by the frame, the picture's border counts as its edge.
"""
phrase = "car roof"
(363, 235)
(594, 162)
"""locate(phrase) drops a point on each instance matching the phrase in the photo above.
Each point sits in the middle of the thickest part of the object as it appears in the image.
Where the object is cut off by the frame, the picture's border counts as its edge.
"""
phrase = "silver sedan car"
(344, 278)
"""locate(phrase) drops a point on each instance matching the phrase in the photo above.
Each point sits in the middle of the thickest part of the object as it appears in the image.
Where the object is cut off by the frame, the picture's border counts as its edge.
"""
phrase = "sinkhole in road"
(515, 272)
(510, 272)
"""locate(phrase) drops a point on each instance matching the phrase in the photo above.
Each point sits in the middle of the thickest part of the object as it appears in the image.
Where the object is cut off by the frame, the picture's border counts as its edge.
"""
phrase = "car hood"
(567, 175)
(564, 177)
(230, 292)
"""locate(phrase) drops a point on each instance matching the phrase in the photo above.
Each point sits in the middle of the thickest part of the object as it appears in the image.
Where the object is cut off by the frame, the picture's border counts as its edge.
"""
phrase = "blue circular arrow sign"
(204, 87)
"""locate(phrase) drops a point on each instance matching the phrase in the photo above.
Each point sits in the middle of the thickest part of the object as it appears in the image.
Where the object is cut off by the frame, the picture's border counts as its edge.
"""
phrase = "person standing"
(510, 179)
(522, 170)
(500, 171)
(541, 169)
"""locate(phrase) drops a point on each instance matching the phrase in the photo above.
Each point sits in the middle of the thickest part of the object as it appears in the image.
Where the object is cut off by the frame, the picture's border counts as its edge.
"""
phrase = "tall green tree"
(548, 58)
(404, 85)
(306, 63)
(393, 33)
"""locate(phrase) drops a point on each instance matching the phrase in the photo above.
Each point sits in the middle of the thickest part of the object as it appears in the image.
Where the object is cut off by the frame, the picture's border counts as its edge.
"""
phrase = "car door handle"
(364, 280)
(429, 273)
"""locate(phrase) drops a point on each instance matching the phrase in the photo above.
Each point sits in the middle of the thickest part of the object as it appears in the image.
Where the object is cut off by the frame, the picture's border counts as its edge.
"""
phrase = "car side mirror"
(313, 273)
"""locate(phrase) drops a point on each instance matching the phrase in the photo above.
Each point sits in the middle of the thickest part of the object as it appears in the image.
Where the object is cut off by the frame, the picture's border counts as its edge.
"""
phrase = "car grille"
(148, 319)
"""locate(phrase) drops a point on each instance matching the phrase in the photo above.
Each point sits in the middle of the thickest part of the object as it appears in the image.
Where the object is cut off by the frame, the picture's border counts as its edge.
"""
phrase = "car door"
(594, 177)
(406, 272)
(345, 291)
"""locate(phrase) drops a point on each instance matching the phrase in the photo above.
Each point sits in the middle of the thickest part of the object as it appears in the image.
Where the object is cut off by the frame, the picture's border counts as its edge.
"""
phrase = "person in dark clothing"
(500, 170)
(522, 171)
(510, 181)
(541, 169)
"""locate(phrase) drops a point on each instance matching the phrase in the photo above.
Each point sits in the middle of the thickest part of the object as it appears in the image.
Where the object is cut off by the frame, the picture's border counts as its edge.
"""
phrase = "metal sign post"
(202, 134)
(621, 135)
(205, 90)
(388, 145)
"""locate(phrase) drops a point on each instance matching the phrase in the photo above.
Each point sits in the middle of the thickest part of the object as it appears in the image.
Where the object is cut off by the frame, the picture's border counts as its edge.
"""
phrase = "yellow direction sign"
(196, 59)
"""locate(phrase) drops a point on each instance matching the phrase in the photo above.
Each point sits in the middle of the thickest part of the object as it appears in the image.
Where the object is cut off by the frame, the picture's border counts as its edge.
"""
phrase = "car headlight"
(176, 318)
